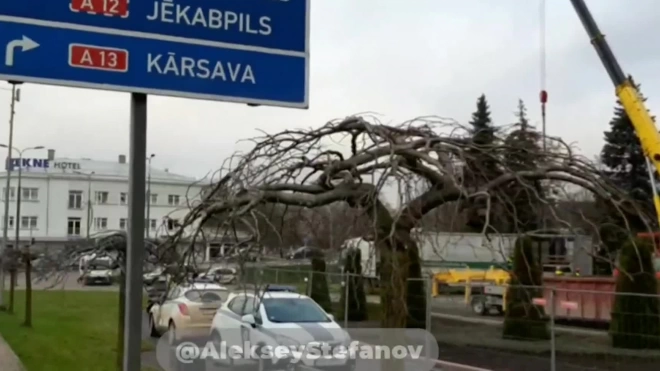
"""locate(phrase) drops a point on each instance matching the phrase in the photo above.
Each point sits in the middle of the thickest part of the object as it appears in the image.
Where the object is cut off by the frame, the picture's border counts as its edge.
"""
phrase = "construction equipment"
(628, 95)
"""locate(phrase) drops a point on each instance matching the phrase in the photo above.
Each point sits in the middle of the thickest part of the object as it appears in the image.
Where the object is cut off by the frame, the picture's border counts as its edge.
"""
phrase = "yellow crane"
(628, 96)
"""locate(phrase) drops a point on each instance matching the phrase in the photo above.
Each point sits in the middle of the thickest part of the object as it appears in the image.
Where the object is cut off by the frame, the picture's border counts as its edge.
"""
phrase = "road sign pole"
(8, 165)
(135, 253)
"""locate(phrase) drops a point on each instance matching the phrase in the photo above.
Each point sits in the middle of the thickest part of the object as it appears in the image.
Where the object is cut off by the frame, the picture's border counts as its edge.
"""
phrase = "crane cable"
(543, 96)
(543, 72)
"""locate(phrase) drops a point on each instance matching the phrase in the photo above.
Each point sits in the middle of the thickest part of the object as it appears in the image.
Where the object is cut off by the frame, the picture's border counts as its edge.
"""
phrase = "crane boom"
(629, 97)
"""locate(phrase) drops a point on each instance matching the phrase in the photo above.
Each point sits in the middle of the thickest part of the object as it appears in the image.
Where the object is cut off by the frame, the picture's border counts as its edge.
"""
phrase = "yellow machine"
(462, 278)
(628, 96)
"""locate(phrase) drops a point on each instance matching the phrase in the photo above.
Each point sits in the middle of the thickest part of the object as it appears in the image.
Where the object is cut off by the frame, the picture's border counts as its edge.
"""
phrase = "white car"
(278, 319)
(187, 310)
(95, 270)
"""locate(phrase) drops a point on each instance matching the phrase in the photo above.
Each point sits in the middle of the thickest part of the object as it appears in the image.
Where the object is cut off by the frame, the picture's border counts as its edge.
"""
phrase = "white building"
(64, 200)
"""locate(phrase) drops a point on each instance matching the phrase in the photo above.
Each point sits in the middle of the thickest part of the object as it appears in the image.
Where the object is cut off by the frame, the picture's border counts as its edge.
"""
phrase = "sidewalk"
(8, 359)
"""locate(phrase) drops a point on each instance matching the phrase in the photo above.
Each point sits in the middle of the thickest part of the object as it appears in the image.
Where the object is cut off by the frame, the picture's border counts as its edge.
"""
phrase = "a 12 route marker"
(109, 8)
(98, 58)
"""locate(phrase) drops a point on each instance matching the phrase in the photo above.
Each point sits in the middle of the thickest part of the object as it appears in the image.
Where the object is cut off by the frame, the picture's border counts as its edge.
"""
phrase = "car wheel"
(479, 306)
(152, 325)
(171, 333)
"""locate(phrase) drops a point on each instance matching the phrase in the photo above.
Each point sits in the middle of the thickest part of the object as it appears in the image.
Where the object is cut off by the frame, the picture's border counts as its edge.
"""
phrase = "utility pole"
(89, 200)
(149, 194)
(89, 204)
(15, 97)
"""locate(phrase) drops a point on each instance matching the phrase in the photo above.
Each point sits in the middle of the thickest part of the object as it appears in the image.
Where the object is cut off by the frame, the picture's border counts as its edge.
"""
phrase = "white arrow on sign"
(25, 44)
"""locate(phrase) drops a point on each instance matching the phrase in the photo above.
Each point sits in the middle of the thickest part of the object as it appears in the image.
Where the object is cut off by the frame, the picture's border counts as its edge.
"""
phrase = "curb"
(9, 361)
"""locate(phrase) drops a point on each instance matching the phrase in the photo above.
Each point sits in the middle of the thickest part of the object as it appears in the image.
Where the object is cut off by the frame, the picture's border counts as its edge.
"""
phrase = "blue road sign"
(245, 51)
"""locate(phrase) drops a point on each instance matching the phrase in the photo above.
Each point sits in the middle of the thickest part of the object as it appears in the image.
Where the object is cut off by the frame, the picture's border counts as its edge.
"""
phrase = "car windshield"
(207, 296)
(293, 310)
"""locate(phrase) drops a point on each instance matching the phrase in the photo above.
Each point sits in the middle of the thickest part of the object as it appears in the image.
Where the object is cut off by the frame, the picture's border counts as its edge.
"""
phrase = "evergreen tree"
(523, 153)
(636, 309)
(626, 167)
(480, 160)
(482, 132)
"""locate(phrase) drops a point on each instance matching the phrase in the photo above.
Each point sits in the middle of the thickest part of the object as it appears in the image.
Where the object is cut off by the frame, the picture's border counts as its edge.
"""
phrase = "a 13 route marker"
(98, 58)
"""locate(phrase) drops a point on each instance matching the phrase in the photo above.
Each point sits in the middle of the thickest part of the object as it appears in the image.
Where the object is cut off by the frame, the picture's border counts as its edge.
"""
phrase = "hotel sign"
(39, 163)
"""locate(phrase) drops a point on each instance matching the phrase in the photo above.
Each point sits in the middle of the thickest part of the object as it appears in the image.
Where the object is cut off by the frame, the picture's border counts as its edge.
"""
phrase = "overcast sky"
(401, 59)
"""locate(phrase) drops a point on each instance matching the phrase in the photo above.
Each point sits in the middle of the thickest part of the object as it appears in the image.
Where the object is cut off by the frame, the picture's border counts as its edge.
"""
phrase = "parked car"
(156, 291)
(278, 319)
(280, 288)
(186, 310)
(95, 269)
(152, 276)
(305, 252)
(225, 276)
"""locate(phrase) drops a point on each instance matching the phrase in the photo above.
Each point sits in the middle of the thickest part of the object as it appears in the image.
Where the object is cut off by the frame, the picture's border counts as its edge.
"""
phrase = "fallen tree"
(422, 163)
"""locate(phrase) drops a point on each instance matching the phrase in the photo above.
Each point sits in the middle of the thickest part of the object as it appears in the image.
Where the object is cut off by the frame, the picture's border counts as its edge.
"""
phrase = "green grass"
(75, 330)
(71, 331)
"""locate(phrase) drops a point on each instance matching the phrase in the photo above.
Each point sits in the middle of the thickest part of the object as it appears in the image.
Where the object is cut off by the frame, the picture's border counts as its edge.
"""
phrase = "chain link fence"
(558, 329)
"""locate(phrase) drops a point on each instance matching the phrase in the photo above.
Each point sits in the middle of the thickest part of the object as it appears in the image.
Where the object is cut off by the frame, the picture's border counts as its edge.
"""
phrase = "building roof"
(100, 169)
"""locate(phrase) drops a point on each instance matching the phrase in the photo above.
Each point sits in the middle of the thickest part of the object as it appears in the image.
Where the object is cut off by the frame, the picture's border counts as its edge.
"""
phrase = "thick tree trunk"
(402, 295)
(12, 289)
(28, 290)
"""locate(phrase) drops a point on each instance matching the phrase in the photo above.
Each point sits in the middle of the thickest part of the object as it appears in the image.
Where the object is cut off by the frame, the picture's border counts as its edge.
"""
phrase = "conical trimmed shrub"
(320, 292)
(636, 312)
(357, 298)
(523, 319)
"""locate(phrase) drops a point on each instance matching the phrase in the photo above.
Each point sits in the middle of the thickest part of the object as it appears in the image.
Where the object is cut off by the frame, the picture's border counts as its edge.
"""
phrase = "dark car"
(280, 288)
(305, 252)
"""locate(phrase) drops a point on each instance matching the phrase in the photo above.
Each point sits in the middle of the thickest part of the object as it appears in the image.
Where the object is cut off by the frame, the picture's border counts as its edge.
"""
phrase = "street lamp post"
(89, 200)
(149, 193)
(15, 97)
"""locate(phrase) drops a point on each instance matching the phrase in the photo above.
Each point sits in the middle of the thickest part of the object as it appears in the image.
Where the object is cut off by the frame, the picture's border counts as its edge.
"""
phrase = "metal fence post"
(309, 283)
(553, 347)
(346, 293)
(429, 306)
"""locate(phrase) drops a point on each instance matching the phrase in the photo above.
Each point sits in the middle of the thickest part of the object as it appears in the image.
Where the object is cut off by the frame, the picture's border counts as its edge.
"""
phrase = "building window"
(12, 193)
(11, 222)
(172, 223)
(123, 222)
(154, 198)
(30, 194)
(101, 197)
(123, 198)
(28, 222)
(173, 200)
(73, 226)
(101, 224)
(75, 199)
(151, 224)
